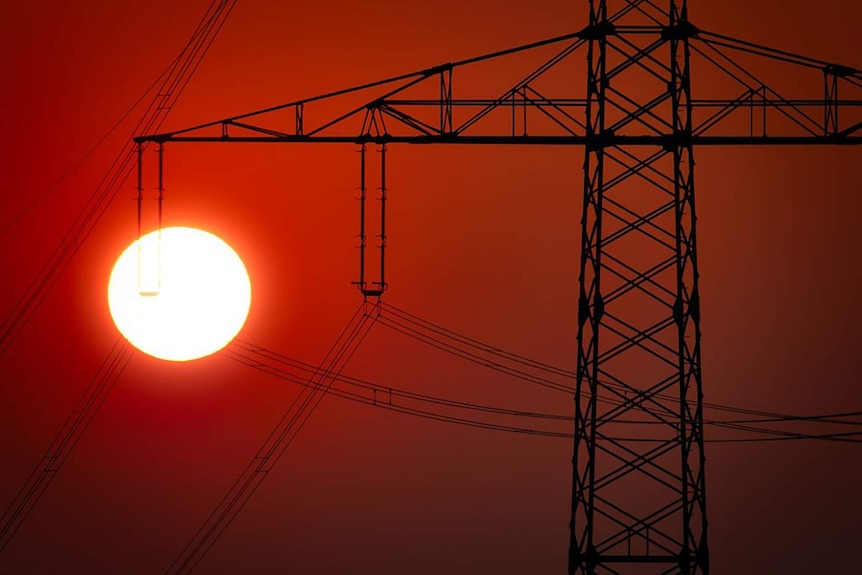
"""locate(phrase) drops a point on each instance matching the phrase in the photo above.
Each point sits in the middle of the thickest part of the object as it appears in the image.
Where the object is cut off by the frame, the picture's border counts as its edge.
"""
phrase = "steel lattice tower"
(635, 501)
(638, 491)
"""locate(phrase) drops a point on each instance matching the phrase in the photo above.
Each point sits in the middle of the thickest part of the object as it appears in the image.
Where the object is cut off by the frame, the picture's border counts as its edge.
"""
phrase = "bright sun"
(181, 297)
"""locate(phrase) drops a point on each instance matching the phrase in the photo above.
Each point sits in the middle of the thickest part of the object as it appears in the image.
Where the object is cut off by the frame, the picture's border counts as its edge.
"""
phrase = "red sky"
(482, 241)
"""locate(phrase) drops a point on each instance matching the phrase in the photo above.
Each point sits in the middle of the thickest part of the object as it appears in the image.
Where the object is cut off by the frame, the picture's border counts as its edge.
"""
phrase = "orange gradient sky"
(482, 240)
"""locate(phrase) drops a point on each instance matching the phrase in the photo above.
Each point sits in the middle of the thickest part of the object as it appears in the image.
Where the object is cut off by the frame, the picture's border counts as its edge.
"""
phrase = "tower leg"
(638, 489)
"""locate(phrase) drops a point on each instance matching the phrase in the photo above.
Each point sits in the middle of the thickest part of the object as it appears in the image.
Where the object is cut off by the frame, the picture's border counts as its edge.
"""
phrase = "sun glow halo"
(181, 295)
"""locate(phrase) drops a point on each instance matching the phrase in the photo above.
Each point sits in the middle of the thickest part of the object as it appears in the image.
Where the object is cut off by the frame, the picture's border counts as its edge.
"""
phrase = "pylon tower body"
(639, 499)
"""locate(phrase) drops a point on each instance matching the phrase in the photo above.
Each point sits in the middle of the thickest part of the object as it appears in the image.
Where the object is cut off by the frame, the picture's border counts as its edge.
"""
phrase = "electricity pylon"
(638, 489)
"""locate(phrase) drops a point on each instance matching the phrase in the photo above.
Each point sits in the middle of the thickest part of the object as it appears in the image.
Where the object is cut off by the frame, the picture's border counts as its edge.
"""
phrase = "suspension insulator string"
(161, 199)
(152, 276)
(363, 193)
(140, 199)
(382, 283)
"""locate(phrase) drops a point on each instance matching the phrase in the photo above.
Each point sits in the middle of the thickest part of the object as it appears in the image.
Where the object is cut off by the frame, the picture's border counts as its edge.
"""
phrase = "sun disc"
(179, 295)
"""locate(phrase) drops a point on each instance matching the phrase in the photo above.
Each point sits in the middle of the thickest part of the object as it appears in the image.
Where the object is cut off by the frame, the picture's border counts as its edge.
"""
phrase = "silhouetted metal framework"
(638, 505)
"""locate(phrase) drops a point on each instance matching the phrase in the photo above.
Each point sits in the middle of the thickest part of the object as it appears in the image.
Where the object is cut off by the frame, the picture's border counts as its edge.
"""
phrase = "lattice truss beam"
(744, 94)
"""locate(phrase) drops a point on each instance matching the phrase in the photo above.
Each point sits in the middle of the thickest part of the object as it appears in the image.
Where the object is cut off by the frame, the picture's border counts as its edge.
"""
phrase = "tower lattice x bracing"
(638, 492)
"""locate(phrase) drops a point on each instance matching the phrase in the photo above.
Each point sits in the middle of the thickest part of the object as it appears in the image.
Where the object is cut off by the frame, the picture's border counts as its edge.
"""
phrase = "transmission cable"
(293, 370)
(288, 369)
(65, 441)
(172, 86)
(118, 357)
(264, 358)
(71, 169)
(472, 357)
(281, 437)
(516, 373)
(425, 324)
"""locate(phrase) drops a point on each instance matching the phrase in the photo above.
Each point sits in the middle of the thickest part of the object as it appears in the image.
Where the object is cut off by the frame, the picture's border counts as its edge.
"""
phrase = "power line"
(379, 392)
(386, 397)
(429, 328)
(64, 442)
(55, 186)
(172, 86)
(289, 425)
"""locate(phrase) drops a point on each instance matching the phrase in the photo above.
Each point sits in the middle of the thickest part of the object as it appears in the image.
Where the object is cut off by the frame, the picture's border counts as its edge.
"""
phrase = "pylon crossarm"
(288, 122)
(386, 96)
(425, 107)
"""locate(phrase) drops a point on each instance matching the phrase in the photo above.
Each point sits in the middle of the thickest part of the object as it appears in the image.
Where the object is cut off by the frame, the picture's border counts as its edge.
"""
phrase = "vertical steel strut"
(161, 200)
(381, 283)
(363, 193)
(152, 288)
(694, 553)
(139, 149)
(582, 550)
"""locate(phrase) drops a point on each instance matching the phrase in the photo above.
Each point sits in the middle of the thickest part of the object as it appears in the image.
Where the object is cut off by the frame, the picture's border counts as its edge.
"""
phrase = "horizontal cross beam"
(665, 141)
